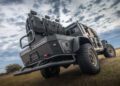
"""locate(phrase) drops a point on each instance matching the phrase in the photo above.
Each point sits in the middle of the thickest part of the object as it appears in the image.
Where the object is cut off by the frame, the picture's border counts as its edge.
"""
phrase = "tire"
(109, 51)
(50, 72)
(87, 59)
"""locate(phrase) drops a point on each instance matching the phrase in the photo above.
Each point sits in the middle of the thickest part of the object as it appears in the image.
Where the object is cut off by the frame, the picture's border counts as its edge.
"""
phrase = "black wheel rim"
(111, 51)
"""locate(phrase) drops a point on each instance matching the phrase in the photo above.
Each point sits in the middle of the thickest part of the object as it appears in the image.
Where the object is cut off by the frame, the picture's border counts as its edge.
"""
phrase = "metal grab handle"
(33, 38)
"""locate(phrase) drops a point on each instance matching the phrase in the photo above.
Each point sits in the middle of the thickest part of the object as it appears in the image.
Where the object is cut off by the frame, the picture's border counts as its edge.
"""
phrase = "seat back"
(37, 25)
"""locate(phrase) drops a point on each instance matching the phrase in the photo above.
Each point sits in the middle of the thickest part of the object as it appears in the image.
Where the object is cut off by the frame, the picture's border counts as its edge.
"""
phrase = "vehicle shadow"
(68, 77)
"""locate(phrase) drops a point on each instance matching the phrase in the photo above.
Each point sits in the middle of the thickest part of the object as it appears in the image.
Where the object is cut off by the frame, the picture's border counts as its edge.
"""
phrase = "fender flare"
(77, 41)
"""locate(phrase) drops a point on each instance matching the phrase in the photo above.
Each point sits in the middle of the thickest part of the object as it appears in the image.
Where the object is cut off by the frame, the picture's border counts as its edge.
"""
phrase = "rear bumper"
(50, 63)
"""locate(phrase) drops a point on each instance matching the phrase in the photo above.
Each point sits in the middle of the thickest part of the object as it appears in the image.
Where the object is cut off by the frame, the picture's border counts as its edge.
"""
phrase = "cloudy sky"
(101, 15)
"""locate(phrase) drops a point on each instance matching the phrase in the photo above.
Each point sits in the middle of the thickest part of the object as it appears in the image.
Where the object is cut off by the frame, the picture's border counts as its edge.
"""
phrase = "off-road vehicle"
(50, 46)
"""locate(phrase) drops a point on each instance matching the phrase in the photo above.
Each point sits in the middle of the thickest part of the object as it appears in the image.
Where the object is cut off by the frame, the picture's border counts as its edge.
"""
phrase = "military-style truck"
(50, 46)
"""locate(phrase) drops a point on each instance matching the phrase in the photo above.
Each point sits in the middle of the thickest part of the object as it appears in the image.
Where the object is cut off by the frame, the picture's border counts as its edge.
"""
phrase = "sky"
(101, 15)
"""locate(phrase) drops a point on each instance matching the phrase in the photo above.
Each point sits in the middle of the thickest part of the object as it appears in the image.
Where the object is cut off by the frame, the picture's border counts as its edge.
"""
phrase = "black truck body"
(51, 45)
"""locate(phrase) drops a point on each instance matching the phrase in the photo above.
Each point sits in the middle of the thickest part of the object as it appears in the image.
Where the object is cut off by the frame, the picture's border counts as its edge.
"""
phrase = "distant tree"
(2, 74)
(12, 68)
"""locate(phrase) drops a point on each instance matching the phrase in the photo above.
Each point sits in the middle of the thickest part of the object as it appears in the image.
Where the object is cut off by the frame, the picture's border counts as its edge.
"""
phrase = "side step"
(29, 70)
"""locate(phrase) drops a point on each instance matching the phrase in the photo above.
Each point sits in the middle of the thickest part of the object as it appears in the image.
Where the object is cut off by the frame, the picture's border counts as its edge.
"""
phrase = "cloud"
(117, 13)
(112, 36)
(9, 52)
(97, 1)
(36, 5)
(41, 1)
(81, 18)
(98, 18)
(20, 23)
(76, 14)
(65, 10)
(11, 20)
(2, 14)
(115, 3)
(70, 20)
(1, 20)
(55, 5)
(82, 7)
(8, 2)
(112, 33)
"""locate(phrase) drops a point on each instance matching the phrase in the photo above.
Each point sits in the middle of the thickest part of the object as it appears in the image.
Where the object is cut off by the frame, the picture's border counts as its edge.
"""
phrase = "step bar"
(26, 70)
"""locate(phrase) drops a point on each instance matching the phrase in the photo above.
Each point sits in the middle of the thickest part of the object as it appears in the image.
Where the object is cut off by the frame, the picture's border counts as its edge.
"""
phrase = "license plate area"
(34, 56)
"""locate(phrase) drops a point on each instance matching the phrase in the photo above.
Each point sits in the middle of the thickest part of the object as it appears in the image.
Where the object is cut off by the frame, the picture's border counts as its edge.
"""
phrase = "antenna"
(57, 20)
(33, 12)
(47, 17)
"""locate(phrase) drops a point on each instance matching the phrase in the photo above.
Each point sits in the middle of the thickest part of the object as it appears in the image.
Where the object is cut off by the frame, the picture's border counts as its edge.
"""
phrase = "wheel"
(109, 51)
(87, 59)
(50, 72)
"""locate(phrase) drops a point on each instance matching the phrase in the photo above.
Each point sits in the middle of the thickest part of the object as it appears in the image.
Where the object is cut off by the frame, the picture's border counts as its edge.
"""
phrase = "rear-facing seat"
(53, 27)
(43, 27)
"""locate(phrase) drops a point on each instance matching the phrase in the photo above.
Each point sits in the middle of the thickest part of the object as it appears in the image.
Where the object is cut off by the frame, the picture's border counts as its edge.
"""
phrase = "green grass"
(109, 76)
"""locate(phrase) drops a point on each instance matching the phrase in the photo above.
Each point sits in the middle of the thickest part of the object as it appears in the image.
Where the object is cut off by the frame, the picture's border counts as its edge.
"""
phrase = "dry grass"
(109, 76)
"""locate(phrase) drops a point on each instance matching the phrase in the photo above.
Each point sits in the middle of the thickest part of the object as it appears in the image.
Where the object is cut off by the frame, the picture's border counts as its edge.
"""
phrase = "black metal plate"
(34, 56)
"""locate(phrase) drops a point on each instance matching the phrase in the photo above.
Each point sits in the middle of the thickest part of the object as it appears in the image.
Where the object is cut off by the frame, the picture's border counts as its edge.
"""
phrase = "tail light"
(46, 55)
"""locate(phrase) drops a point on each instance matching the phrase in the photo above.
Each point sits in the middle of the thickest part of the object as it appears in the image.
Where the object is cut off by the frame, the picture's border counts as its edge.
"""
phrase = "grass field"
(109, 76)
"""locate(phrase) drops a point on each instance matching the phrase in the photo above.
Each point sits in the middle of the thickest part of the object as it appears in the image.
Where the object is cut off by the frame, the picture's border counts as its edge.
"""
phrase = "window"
(73, 31)
(68, 32)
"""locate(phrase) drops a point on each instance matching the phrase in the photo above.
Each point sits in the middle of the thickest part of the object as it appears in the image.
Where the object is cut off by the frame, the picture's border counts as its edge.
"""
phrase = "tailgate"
(48, 46)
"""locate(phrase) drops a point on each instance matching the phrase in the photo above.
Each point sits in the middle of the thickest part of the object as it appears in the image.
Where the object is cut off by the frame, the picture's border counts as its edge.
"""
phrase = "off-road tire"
(87, 59)
(50, 72)
(109, 51)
